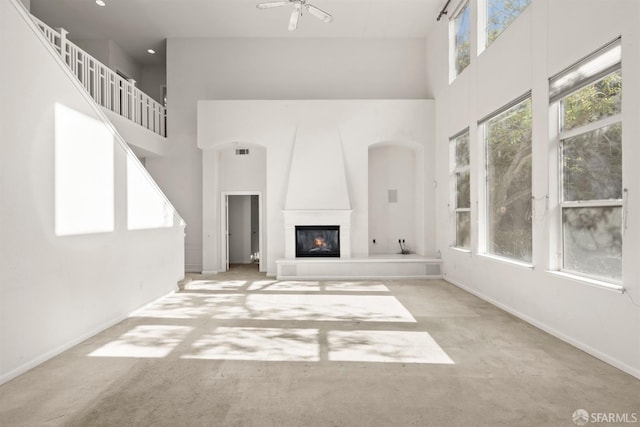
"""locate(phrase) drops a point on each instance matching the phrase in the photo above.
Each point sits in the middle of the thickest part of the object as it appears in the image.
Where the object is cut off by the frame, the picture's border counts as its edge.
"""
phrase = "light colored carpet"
(240, 349)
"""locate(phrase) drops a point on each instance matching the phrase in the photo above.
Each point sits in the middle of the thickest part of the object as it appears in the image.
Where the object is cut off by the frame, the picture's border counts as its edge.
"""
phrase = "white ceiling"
(137, 25)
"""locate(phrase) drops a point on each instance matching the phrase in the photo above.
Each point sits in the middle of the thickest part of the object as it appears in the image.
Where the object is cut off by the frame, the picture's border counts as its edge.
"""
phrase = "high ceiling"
(137, 25)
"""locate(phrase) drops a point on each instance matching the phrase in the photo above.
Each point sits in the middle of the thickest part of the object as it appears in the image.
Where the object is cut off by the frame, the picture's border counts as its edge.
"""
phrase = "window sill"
(508, 261)
(461, 250)
(587, 281)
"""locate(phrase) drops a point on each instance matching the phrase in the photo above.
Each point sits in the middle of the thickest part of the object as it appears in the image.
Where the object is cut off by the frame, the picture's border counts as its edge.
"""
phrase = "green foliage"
(592, 161)
(592, 170)
(592, 165)
(463, 190)
(500, 14)
(462, 150)
(463, 55)
(594, 102)
(509, 182)
(462, 39)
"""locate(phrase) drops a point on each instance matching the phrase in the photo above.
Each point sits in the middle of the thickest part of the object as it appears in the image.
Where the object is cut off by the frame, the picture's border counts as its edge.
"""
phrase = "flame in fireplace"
(320, 243)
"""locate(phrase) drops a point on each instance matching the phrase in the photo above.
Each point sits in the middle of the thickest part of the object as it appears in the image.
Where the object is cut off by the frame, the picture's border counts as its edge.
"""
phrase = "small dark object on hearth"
(403, 249)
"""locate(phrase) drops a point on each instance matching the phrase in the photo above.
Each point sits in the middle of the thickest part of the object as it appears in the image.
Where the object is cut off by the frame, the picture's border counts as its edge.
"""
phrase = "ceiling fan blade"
(270, 4)
(319, 13)
(293, 22)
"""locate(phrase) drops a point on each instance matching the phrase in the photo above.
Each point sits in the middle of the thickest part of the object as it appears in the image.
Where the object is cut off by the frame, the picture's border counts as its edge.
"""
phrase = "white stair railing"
(106, 87)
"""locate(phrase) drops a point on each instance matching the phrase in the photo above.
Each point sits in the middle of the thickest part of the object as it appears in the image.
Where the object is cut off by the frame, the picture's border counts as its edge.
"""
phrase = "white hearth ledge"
(392, 266)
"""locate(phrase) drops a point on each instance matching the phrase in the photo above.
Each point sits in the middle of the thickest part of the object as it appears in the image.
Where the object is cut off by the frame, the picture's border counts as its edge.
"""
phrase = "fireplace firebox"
(318, 241)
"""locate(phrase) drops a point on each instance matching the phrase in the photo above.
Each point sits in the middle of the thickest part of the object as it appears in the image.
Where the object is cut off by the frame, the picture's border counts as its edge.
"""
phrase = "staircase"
(87, 235)
(107, 88)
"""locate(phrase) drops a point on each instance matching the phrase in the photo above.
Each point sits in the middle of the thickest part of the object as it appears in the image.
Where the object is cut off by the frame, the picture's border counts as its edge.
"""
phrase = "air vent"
(432, 269)
(242, 151)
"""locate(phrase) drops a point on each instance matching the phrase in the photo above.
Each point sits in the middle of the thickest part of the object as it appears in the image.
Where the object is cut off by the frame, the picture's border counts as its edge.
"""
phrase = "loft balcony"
(119, 97)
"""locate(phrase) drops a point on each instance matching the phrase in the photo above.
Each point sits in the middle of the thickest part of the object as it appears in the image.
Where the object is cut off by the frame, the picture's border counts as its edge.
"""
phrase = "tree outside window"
(462, 191)
(462, 39)
(592, 193)
(508, 227)
(500, 14)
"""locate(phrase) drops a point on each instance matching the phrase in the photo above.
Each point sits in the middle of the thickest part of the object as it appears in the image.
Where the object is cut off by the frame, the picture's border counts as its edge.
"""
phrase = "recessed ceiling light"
(100, 3)
(151, 51)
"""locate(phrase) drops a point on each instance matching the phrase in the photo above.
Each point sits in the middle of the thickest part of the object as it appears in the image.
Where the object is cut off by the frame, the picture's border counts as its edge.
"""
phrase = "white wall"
(277, 124)
(392, 168)
(119, 60)
(210, 69)
(317, 176)
(152, 77)
(142, 141)
(98, 48)
(243, 172)
(110, 54)
(56, 291)
(549, 36)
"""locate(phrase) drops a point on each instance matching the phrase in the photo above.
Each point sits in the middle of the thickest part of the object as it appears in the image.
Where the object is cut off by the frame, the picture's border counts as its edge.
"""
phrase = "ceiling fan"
(297, 12)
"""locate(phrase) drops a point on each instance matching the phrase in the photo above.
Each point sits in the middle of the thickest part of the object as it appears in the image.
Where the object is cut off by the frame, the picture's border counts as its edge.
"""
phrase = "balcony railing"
(107, 88)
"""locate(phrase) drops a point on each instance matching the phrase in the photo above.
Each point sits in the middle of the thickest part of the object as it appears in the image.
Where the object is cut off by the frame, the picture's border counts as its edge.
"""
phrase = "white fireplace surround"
(341, 218)
(311, 161)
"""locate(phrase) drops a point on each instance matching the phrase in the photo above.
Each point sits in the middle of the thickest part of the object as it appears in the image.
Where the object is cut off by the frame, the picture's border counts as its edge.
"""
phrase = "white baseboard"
(66, 346)
(193, 268)
(552, 331)
(376, 278)
(56, 351)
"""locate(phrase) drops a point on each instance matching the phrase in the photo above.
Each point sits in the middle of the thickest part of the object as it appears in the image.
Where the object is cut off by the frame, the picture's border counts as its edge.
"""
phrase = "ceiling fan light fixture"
(270, 4)
(319, 13)
(295, 15)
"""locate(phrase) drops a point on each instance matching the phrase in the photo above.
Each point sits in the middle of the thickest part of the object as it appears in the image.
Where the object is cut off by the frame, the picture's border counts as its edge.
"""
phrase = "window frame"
(557, 106)
(453, 51)
(455, 170)
(484, 212)
(483, 24)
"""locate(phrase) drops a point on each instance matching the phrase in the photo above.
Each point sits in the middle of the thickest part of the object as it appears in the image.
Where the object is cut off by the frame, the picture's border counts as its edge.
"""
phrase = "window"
(588, 97)
(461, 37)
(507, 201)
(499, 14)
(462, 192)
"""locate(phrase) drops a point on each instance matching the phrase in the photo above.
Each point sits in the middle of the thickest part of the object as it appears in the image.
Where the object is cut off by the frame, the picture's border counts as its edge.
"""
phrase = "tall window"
(507, 138)
(461, 35)
(460, 148)
(499, 14)
(589, 100)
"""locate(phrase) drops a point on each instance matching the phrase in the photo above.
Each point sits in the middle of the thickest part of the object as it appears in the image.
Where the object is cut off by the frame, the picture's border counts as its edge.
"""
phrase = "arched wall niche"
(396, 197)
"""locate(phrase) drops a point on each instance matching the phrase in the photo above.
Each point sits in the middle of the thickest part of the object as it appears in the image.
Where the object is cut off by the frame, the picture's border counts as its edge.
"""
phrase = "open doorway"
(241, 223)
